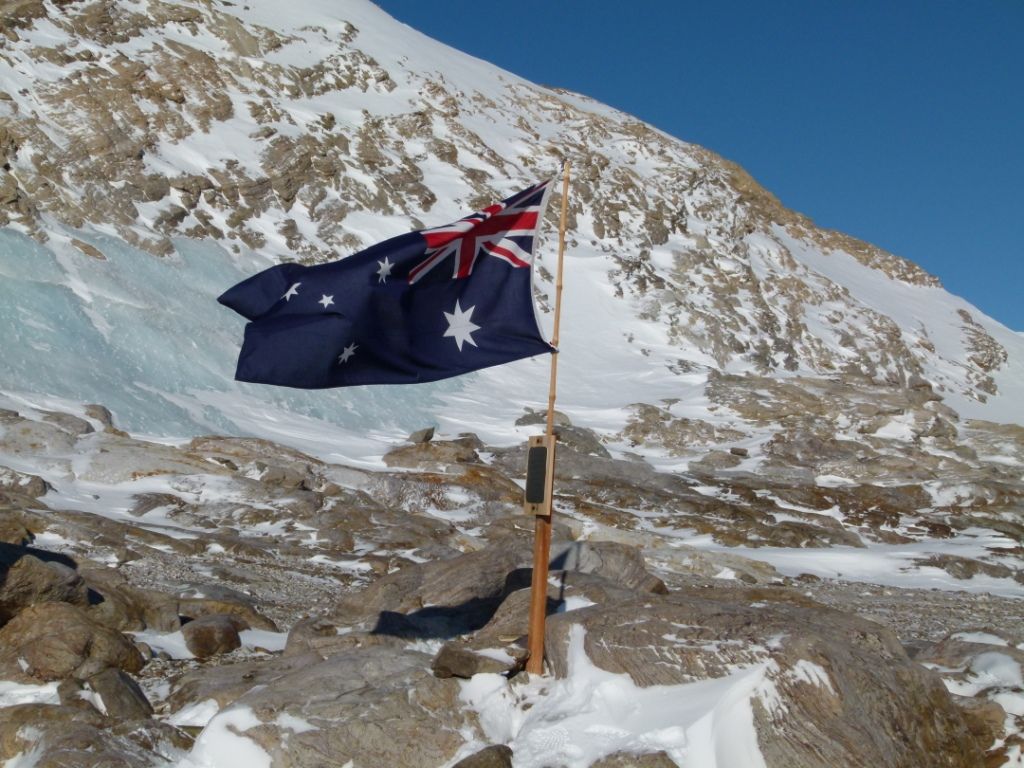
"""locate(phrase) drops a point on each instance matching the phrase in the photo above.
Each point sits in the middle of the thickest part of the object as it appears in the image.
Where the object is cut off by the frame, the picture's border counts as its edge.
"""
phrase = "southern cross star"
(460, 326)
(326, 300)
(347, 353)
(291, 292)
(385, 270)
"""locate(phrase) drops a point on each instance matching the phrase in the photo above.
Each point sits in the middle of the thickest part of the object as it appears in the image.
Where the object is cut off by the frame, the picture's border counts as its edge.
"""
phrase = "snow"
(593, 713)
(197, 715)
(988, 670)
(171, 643)
(263, 638)
(984, 638)
(223, 742)
(12, 694)
(915, 307)
(884, 564)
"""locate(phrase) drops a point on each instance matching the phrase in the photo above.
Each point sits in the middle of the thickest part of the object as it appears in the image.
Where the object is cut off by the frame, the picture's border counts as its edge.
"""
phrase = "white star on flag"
(385, 270)
(347, 353)
(326, 300)
(460, 326)
(291, 292)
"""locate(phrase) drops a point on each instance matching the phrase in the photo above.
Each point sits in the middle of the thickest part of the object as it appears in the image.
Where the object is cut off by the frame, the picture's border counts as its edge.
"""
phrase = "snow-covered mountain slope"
(129, 127)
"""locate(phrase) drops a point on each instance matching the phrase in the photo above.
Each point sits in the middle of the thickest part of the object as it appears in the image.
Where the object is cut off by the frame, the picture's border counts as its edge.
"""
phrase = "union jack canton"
(504, 230)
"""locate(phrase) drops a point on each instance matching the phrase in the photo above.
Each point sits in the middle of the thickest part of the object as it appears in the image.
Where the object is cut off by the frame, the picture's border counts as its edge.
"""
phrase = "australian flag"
(419, 307)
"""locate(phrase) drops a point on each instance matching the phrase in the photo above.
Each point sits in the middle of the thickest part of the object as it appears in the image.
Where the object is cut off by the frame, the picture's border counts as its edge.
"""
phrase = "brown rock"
(88, 250)
(52, 641)
(214, 634)
(100, 413)
(532, 417)
(19, 482)
(457, 660)
(198, 607)
(438, 453)
(72, 693)
(986, 719)
(376, 706)
(226, 683)
(627, 760)
(122, 697)
(422, 435)
(75, 737)
(125, 608)
(495, 756)
(28, 580)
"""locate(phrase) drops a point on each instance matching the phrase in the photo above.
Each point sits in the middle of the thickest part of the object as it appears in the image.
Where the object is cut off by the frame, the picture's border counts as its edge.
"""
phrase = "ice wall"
(146, 337)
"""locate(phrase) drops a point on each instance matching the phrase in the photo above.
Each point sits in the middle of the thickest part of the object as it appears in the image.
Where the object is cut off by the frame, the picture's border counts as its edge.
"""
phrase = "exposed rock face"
(51, 641)
(372, 706)
(53, 735)
(122, 697)
(839, 690)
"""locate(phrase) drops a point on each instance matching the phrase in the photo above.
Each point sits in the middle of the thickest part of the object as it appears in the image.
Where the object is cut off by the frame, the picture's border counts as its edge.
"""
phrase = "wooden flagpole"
(542, 531)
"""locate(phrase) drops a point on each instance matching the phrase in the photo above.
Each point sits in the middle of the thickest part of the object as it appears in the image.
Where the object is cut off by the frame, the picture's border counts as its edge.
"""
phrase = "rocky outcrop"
(370, 706)
(51, 641)
(838, 690)
(26, 580)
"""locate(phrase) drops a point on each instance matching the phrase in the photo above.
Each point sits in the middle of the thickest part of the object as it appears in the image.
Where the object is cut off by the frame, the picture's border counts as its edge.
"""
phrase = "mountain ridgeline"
(307, 137)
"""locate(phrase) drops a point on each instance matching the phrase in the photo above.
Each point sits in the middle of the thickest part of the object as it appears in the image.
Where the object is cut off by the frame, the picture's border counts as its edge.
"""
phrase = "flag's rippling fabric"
(420, 307)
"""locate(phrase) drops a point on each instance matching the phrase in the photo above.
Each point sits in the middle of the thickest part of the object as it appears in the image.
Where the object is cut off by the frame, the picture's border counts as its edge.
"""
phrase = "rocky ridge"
(231, 577)
(151, 120)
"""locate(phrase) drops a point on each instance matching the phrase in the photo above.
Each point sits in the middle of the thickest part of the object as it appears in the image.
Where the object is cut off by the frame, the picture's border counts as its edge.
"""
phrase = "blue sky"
(901, 123)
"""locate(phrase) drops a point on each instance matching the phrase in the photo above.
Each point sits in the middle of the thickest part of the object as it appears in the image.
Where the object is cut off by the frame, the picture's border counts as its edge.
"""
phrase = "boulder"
(119, 605)
(438, 600)
(581, 440)
(620, 564)
(73, 693)
(26, 580)
(373, 706)
(221, 602)
(421, 436)
(572, 590)
(19, 482)
(214, 634)
(12, 526)
(532, 417)
(496, 756)
(456, 659)
(122, 697)
(52, 641)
